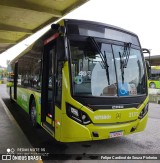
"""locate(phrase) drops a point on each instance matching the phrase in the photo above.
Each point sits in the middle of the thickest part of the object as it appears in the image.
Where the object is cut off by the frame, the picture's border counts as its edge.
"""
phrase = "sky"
(138, 16)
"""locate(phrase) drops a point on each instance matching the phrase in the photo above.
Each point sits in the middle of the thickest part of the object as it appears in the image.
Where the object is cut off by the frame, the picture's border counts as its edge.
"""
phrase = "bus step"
(49, 128)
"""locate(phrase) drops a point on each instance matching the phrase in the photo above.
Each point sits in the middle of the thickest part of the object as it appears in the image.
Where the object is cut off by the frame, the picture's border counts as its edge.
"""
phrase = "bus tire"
(152, 85)
(33, 113)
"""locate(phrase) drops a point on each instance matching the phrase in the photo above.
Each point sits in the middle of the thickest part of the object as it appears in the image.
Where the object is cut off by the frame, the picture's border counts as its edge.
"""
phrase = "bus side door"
(48, 84)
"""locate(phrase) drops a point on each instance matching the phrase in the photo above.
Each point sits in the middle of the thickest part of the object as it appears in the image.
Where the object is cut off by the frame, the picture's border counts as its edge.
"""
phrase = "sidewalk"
(11, 136)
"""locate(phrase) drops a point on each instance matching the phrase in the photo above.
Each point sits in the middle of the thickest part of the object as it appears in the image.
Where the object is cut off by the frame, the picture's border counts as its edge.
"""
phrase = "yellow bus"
(83, 81)
(154, 80)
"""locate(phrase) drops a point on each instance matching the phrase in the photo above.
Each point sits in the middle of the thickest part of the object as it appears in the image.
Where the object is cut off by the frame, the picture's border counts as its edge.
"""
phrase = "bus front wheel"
(152, 85)
(33, 113)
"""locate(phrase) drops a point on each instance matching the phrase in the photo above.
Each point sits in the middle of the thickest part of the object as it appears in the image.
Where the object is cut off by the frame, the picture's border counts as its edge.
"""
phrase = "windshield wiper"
(103, 57)
(124, 58)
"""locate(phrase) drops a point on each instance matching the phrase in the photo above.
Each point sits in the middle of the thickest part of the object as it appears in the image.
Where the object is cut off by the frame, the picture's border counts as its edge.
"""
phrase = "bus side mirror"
(60, 49)
(148, 69)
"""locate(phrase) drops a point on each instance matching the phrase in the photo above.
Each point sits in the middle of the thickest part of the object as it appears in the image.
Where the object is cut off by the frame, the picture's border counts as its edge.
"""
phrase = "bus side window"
(36, 76)
(25, 80)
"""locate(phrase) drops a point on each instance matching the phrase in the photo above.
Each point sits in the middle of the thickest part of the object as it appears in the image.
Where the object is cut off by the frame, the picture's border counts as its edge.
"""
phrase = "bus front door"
(48, 89)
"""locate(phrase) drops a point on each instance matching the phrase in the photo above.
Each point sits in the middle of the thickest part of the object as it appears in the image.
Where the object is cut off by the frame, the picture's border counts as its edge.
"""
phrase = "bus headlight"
(143, 112)
(78, 115)
(74, 112)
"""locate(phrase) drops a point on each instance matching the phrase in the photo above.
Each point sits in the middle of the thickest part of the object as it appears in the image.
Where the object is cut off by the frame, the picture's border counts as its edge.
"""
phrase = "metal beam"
(6, 41)
(45, 24)
(74, 6)
(2, 50)
(4, 27)
(30, 6)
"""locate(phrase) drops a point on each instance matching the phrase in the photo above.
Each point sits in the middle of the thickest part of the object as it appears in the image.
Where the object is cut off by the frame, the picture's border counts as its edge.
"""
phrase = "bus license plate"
(116, 134)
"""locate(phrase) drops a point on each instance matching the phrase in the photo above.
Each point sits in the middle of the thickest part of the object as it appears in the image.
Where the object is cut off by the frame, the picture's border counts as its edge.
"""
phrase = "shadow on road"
(38, 137)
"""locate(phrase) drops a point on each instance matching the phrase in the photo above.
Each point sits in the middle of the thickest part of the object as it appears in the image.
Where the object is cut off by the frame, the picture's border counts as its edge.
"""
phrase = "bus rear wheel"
(33, 113)
(152, 85)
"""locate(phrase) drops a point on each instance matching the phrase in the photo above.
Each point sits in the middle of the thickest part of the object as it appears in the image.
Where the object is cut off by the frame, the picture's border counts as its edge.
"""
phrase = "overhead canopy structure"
(21, 18)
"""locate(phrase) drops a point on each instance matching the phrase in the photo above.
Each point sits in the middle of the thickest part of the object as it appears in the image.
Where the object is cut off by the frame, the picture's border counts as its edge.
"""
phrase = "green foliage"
(3, 73)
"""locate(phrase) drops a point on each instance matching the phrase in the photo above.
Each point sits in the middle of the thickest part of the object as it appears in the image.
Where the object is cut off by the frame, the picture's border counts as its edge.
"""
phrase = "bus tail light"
(78, 115)
(143, 112)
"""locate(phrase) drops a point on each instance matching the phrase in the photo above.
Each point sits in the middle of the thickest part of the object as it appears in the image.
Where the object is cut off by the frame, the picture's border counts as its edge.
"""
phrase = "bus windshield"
(95, 74)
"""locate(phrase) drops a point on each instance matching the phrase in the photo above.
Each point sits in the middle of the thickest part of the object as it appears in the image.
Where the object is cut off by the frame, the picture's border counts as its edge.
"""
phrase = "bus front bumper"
(75, 132)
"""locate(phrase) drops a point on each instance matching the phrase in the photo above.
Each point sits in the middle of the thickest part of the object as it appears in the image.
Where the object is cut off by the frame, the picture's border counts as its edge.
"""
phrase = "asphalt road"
(146, 142)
